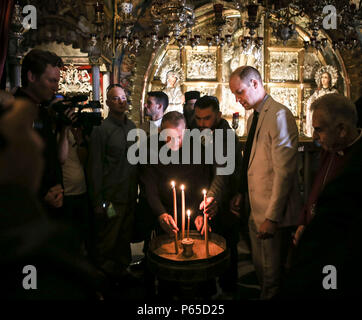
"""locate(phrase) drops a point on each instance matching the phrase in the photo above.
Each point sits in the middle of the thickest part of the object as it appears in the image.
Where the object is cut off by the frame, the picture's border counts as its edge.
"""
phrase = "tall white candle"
(183, 209)
(174, 202)
(206, 225)
(175, 211)
(188, 223)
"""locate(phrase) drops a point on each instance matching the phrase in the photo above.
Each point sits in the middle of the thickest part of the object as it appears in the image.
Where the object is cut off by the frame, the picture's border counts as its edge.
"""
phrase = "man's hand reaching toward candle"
(211, 207)
(168, 224)
(199, 223)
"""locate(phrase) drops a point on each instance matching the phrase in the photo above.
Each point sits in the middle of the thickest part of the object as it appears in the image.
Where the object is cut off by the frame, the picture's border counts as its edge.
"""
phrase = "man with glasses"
(113, 186)
(325, 262)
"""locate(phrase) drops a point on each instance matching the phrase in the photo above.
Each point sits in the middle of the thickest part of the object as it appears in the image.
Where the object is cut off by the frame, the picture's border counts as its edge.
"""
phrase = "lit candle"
(205, 225)
(188, 223)
(174, 201)
(183, 209)
(174, 211)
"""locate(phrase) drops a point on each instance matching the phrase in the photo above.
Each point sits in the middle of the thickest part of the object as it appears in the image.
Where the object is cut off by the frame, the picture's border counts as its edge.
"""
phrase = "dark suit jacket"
(332, 238)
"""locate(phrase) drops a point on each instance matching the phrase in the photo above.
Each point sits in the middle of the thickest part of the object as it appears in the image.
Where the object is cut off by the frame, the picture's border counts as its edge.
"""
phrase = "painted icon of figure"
(325, 78)
(174, 92)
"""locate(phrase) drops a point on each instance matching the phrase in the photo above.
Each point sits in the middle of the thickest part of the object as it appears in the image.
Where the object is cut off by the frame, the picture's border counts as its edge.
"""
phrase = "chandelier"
(125, 22)
(321, 13)
(281, 21)
(169, 19)
(347, 18)
(174, 14)
(121, 38)
(95, 42)
(282, 16)
(253, 12)
(173, 20)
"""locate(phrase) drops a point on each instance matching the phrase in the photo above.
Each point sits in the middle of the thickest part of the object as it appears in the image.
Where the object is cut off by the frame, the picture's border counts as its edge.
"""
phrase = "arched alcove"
(288, 70)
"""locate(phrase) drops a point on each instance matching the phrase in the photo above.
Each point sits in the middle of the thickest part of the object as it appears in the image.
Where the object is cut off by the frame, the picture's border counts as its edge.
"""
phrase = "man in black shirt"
(157, 178)
(189, 111)
(157, 192)
(222, 189)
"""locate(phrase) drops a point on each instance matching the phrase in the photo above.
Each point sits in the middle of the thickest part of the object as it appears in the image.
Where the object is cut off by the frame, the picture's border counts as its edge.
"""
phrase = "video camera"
(84, 119)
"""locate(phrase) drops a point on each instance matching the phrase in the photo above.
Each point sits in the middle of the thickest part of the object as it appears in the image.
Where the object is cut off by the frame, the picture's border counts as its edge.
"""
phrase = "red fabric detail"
(6, 8)
(330, 167)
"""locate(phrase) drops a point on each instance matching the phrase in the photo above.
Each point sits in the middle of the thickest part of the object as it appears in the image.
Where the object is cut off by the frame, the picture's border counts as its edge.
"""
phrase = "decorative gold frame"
(270, 47)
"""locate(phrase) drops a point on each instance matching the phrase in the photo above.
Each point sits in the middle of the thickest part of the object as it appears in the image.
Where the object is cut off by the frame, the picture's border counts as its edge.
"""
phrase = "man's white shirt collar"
(156, 123)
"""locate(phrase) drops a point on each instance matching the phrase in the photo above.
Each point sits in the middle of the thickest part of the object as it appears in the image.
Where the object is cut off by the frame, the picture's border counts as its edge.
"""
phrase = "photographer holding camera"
(73, 153)
(74, 136)
(40, 75)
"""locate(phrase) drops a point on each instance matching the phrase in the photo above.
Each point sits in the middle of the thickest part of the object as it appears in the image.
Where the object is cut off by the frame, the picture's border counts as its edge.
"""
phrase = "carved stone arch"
(212, 57)
(297, 89)
(57, 29)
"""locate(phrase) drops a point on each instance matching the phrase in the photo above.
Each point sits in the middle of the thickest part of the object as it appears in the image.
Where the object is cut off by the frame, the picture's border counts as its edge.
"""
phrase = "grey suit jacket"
(272, 172)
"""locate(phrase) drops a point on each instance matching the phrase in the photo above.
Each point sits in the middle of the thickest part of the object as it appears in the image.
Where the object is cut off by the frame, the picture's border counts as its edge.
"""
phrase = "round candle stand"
(187, 245)
(187, 276)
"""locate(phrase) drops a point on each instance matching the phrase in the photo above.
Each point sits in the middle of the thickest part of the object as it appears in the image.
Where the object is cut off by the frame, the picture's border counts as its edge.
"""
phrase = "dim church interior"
(103, 42)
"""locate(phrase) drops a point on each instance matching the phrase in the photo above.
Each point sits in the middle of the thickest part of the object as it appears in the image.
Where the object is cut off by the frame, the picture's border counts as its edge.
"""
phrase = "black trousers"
(76, 213)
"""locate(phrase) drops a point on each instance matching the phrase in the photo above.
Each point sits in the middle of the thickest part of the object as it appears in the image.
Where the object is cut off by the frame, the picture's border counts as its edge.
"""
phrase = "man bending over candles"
(156, 179)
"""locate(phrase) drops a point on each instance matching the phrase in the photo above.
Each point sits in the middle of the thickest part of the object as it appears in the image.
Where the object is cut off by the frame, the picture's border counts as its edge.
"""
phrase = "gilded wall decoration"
(205, 30)
(209, 28)
(201, 65)
(307, 93)
(172, 57)
(127, 67)
(73, 79)
(234, 57)
(156, 87)
(284, 66)
(249, 56)
(228, 106)
(228, 53)
(77, 80)
(286, 96)
(311, 64)
(204, 90)
(172, 77)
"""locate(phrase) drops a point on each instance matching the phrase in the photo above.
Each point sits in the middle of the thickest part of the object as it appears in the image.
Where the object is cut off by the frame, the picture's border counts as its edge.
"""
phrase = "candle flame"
(182, 187)
(188, 212)
(173, 184)
(204, 191)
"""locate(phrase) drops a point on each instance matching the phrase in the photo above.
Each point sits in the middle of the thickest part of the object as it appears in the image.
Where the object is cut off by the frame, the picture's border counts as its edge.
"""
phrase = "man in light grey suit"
(269, 182)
